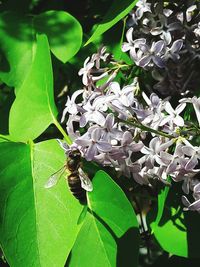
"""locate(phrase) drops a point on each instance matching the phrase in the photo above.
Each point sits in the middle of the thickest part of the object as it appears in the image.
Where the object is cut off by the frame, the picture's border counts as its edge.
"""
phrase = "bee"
(78, 180)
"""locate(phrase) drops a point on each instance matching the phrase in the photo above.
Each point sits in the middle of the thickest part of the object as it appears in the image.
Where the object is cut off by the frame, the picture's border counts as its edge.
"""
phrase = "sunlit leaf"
(34, 108)
(161, 203)
(117, 11)
(175, 230)
(110, 231)
(64, 33)
(17, 48)
(37, 226)
(171, 233)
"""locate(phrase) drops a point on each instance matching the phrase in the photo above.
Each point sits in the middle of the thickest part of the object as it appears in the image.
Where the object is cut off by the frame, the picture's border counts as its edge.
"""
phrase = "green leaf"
(178, 232)
(118, 10)
(17, 48)
(64, 33)
(110, 231)
(4, 138)
(34, 108)
(171, 233)
(170, 219)
(183, 226)
(161, 204)
(38, 226)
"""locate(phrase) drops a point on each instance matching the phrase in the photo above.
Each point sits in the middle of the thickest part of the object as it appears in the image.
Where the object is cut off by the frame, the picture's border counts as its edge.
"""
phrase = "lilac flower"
(173, 117)
(70, 126)
(154, 114)
(141, 177)
(173, 52)
(167, 12)
(171, 161)
(136, 15)
(100, 55)
(193, 152)
(197, 30)
(167, 30)
(190, 183)
(91, 70)
(128, 145)
(112, 142)
(174, 25)
(92, 112)
(71, 106)
(193, 185)
(143, 7)
(133, 19)
(195, 206)
(184, 168)
(170, 28)
(122, 97)
(92, 144)
(110, 131)
(152, 152)
(85, 71)
(132, 45)
(160, 27)
(196, 104)
(189, 12)
(152, 54)
(196, 189)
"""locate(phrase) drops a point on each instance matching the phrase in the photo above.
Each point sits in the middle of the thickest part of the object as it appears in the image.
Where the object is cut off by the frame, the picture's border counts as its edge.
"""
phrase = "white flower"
(71, 106)
(196, 104)
(173, 117)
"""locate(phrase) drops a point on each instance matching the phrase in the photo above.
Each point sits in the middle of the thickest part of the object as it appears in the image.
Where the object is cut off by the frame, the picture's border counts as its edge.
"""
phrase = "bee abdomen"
(74, 183)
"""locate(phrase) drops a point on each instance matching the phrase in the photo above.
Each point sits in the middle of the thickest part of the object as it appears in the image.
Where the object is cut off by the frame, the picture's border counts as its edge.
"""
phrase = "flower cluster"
(113, 125)
(163, 37)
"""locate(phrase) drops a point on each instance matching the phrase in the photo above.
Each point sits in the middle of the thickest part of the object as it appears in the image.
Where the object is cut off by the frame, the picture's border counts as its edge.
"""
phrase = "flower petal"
(144, 61)
(96, 134)
(185, 201)
(180, 108)
(129, 35)
(176, 46)
(195, 206)
(188, 150)
(126, 47)
(127, 138)
(158, 61)
(179, 121)
(157, 47)
(91, 152)
(104, 146)
(169, 108)
(191, 164)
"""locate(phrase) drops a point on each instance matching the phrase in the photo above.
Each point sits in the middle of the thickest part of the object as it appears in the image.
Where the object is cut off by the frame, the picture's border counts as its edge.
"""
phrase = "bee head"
(74, 154)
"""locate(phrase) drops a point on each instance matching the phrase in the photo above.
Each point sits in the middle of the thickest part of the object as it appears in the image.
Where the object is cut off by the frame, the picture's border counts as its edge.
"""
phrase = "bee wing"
(85, 181)
(54, 178)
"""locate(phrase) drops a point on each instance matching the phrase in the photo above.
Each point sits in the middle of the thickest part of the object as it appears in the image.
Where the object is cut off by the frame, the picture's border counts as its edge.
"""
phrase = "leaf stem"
(59, 127)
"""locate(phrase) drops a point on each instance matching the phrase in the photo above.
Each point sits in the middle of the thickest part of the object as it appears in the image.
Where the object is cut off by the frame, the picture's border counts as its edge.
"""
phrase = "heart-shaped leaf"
(175, 230)
(110, 231)
(64, 33)
(17, 48)
(34, 108)
(38, 226)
